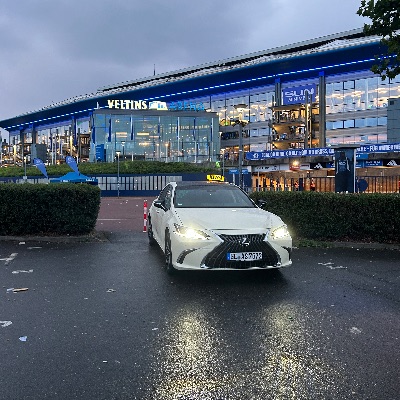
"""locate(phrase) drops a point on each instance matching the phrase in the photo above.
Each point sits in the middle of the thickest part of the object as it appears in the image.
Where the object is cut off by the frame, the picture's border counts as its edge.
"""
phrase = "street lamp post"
(308, 111)
(118, 153)
(240, 108)
(25, 176)
(240, 155)
(223, 162)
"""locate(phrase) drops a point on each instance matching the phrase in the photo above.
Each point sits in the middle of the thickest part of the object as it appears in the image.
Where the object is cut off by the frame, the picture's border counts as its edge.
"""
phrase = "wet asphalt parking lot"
(102, 320)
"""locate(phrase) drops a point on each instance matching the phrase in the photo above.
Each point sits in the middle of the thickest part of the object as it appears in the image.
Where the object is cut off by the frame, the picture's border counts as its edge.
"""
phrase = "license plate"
(244, 256)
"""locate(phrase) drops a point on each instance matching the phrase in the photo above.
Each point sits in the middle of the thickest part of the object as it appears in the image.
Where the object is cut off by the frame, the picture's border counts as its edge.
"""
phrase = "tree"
(385, 17)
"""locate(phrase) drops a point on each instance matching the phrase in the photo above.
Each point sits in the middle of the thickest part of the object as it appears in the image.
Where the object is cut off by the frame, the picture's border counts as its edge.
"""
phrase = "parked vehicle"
(216, 226)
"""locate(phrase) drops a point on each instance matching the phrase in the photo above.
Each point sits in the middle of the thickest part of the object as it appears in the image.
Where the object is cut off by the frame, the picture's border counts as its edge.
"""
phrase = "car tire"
(150, 235)
(168, 255)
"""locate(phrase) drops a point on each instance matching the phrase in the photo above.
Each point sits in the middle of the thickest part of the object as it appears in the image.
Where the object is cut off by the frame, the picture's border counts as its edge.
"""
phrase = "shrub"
(41, 209)
(126, 167)
(333, 216)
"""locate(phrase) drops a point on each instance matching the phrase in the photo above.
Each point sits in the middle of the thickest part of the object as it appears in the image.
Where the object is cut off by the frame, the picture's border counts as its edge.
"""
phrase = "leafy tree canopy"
(385, 18)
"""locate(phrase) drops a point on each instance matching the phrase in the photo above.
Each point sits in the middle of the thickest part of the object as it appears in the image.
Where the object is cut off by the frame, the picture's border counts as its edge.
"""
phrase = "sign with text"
(262, 155)
(128, 104)
(155, 105)
(296, 95)
(217, 178)
(319, 151)
(186, 106)
(380, 148)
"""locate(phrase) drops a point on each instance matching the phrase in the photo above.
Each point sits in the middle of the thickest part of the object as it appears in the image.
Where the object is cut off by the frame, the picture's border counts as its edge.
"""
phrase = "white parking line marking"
(9, 258)
(112, 219)
(22, 270)
(331, 265)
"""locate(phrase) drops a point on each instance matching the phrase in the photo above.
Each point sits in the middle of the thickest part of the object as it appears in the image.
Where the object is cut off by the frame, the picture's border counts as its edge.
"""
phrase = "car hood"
(227, 218)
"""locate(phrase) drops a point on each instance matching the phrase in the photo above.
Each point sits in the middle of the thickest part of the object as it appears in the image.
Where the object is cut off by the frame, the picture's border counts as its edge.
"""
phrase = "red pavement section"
(123, 214)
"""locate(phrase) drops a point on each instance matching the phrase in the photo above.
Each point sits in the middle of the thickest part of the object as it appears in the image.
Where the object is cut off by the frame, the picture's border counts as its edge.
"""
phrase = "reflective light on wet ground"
(189, 358)
(272, 358)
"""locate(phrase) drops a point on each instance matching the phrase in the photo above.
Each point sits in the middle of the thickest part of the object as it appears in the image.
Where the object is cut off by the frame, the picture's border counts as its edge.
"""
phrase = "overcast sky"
(51, 50)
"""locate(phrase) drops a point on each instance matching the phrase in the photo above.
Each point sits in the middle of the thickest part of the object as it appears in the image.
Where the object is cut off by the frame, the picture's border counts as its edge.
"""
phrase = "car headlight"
(280, 233)
(190, 233)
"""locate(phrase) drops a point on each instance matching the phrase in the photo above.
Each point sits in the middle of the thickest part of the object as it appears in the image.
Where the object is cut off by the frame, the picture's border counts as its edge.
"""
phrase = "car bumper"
(212, 254)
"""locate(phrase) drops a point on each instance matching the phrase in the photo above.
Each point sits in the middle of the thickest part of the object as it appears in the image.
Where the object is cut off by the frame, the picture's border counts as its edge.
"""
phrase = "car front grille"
(217, 258)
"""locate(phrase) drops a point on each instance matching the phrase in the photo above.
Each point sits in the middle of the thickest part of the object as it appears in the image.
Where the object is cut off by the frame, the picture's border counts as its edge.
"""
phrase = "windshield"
(211, 196)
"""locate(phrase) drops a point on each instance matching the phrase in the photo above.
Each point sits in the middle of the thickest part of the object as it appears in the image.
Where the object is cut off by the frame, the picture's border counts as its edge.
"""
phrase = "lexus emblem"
(245, 241)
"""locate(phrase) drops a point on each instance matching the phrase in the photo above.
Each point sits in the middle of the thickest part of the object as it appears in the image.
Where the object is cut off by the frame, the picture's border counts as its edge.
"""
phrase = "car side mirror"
(159, 204)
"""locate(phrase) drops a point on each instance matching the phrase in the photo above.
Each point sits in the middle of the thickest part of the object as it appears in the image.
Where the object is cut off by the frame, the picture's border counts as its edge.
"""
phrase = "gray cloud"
(55, 49)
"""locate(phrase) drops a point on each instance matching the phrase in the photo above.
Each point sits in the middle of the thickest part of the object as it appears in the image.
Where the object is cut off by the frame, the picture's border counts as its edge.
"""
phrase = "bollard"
(145, 216)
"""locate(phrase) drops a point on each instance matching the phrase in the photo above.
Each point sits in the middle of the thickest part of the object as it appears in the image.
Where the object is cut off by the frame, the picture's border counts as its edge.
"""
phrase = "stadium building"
(282, 109)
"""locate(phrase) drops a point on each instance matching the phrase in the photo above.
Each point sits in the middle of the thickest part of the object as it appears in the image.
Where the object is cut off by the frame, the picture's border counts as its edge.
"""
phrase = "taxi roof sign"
(215, 178)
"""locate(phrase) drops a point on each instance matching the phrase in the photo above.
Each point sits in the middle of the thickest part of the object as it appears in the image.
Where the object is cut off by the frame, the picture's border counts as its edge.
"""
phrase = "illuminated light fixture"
(142, 133)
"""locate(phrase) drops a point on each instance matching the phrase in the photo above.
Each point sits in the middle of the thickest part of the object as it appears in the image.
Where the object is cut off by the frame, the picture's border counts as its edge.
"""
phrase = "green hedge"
(331, 216)
(54, 209)
(125, 167)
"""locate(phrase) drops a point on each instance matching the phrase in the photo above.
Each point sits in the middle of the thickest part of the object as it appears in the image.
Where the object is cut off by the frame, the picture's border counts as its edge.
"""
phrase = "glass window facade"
(360, 107)
(257, 101)
(360, 94)
(356, 112)
(170, 136)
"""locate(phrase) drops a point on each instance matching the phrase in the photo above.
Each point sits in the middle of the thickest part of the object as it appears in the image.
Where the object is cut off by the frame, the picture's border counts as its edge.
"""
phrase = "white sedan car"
(216, 226)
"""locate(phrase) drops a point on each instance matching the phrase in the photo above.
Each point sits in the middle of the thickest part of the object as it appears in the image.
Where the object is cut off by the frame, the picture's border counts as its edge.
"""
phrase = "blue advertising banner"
(72, 163)
(380, 148)
(39, 164)
(296, 95)
(321, 151)
(262, 155)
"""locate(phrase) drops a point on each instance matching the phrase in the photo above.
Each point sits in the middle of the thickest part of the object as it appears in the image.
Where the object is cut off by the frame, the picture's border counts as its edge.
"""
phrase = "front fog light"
(280, 233)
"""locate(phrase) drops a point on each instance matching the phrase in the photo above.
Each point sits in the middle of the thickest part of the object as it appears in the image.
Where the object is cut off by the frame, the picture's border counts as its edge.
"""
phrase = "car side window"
(165, 196)
(163, 193)
(168, 198)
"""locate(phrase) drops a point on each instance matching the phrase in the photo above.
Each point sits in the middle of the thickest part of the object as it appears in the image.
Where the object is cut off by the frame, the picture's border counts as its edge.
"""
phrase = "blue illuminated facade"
(313, 94)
